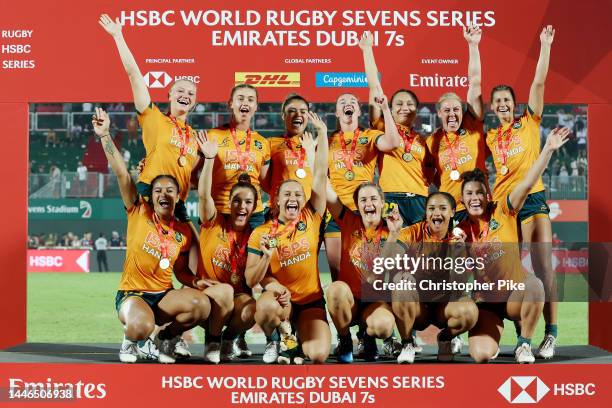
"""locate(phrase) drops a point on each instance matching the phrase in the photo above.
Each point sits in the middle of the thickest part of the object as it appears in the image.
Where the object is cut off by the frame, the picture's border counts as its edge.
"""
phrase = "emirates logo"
(523, 389)
(157, 79)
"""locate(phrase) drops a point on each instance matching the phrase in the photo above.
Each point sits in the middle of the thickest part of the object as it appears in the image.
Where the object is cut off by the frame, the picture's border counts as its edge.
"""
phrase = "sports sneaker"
(523, 354)
(445, 350)
(547, 347)
(370, 350)
(406, 355)
(166, 349)
(391, 348)
(456, 345)
(147, 349)
(227, 351)
(212, 352)
(270, 354)
(418, 348)
(182, 349)
(345, 350)
(128, 353)
(496, 354)
(241, 348)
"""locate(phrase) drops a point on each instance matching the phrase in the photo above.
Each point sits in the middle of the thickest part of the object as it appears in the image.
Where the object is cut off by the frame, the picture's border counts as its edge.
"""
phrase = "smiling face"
(370, 204)
(450, 114)
(502, 104)
(347, 110)
(243, 104)
(182, 97)
(164, 195)
(290, 200)
(403, 108)
(295, 117)
(439, 214)
(474, 197)
(242, 204)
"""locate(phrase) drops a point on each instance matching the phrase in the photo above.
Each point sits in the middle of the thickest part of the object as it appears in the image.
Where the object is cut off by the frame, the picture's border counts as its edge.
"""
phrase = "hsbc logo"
(523, 390)
(157, 79)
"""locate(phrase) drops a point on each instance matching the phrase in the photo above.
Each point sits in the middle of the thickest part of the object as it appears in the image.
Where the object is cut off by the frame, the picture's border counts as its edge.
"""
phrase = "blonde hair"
(445, 96)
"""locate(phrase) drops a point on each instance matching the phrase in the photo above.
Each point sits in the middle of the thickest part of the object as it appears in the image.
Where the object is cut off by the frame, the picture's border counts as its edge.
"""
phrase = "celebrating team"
(322, 189)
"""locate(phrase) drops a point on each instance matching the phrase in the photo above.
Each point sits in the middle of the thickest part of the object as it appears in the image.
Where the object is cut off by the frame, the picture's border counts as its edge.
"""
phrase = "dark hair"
(244, 181)
(364, 185)
(243, 86)
(476, 175)
(447, 196)
(409, 92)
(503, 88)
(161, 176)
(293, 97)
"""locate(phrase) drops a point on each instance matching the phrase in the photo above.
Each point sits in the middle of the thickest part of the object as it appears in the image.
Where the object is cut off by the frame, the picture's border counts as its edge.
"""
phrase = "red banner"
(58, 260)
(568, 210)
(312, 386)
(563, 260)
(57, 52)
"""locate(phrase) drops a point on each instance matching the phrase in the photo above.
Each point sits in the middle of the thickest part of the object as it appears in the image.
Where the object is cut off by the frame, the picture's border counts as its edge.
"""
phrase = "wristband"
(209, 158)
(100, 137)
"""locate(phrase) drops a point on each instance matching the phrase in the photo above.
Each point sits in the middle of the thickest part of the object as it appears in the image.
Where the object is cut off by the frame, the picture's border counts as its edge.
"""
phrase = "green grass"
(80, 308)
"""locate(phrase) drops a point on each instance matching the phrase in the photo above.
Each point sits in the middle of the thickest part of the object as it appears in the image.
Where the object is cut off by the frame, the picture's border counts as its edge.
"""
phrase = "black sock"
(213, 339)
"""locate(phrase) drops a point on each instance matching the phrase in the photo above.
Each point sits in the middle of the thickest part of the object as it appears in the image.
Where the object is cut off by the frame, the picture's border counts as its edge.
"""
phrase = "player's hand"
(458, 235)
(208, 148)
(111, 27)
(381, 99)
(317, 122)
(547, 35)
(101, 122)
(283, 296)
(264, 245)
(472, 34)
(557, 138)
(394, 221)
(140, 166)
(205, 283)
(366, 40)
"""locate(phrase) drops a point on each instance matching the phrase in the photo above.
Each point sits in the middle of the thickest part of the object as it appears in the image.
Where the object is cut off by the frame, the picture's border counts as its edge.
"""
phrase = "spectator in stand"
(87, 107)
(563, 179)
(132, 129)
(126, 157)
(116, 240)
(565, 119)
(101, 245)
(581, 135)
(55, 176)
(52, 138)
(87, 240)
(81, 178)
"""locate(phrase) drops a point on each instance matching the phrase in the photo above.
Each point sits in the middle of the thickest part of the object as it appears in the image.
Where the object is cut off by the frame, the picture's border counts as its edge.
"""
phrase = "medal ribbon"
(300, 156)
(453, 152)
(288, 230)
(243, 157)
(346, 158)
(503, 142)
(407, 138)
(164, 236)
(237, 249)
(183, 136)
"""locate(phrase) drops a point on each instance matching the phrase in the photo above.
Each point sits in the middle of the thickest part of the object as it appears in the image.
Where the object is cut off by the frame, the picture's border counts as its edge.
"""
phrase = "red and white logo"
(157, 79)
(523, 389)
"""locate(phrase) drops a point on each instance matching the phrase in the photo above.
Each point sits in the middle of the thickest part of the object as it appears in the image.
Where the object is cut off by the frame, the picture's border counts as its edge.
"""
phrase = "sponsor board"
(58, 260)
(341, 80)
(268, 79)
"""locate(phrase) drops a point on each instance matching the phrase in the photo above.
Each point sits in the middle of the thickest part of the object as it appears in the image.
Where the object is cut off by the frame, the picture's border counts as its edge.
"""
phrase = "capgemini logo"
(523, 390)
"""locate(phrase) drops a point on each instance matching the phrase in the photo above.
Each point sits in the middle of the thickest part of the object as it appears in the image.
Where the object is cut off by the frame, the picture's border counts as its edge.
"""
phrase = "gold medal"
(182, 161)
(503, 170)
(235, 279)
(455, 175)
(272, 243)
(407, 156)
(164, 263)
(349, 175)
(300, 173)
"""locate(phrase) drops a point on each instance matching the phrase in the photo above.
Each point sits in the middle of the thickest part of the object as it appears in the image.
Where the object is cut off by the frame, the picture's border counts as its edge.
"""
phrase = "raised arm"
(319, 173)
(557, 138)
(474, 96)
(371, 71)
(334, 205)
(206, 203)
(391, 139)
(101, 125)
(536, 93)
(142, 99)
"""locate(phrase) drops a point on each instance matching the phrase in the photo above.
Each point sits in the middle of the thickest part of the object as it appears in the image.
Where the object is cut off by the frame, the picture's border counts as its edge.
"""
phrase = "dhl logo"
(268, 79)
